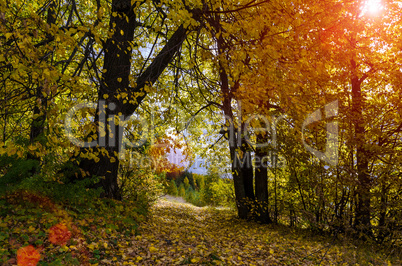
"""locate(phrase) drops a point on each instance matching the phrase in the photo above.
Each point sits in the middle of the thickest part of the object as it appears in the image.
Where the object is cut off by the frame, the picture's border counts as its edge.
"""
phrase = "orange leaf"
(28, 256)
(59, 234)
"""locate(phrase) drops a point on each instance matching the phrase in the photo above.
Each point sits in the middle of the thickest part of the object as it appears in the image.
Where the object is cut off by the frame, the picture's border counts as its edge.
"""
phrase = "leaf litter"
(180, 233)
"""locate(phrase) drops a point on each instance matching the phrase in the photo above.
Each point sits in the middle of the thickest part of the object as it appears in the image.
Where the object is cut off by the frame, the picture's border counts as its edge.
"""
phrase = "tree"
(35, 74)
(172, 190)
(115, 82)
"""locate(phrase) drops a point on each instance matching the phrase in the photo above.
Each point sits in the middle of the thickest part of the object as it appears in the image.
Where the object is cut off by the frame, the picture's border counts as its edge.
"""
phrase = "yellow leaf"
(19, 153)
(63, 249)
(153, 249)
(31, 148)
(119, 79)
(105, 96)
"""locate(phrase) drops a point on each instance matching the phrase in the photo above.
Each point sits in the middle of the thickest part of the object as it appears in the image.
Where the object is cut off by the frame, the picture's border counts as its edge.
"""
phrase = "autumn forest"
(161, 132)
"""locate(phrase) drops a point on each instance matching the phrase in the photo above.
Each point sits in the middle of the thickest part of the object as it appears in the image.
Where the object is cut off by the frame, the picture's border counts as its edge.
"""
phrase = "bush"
(218, 191)
(139, 183)
(201, 190)
(75, 193)
(18, 175)
(194, 197)
(14, 171)
(143, 187)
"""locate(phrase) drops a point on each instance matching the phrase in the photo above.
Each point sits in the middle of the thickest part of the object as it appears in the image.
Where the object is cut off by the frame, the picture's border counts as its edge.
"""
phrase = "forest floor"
(180, 233)
(34, 229)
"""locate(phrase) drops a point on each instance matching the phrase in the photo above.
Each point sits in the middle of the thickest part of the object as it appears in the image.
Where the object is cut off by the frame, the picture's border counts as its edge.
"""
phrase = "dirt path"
(173, 199)
(179, 233)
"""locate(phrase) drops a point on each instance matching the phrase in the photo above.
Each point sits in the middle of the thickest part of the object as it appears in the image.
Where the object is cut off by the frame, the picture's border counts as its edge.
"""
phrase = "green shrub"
(217, 191)
(193, 197)
(222, 192)
(206, 192)
(59, 190)
(140, 183)
(14, 170)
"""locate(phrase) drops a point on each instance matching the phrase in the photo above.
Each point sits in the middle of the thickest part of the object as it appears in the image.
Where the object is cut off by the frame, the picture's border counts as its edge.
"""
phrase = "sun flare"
(372, 7)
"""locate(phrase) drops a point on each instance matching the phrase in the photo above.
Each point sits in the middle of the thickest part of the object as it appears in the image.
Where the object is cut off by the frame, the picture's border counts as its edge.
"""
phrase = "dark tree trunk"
(115, 80)
(238, 179)
(39, 114)
(362, 221)
(248, 174)
(240, 192)
(244, 166)
(383, 231)
(261, 182)
(234, 137)
(38, 124)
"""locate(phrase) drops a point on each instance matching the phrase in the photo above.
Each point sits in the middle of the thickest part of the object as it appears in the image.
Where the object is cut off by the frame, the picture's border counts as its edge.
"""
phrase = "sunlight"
(372, 7)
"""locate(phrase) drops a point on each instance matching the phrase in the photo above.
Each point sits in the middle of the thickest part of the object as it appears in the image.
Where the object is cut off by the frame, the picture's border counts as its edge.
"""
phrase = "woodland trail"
(180, 233)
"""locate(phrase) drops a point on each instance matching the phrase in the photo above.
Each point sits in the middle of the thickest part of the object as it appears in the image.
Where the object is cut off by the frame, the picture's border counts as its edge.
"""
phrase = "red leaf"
(59, 234)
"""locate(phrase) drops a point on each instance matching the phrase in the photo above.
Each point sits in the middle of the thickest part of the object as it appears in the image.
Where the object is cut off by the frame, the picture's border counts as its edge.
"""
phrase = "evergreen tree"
(172, 190)
(186, 183)
(182, 191)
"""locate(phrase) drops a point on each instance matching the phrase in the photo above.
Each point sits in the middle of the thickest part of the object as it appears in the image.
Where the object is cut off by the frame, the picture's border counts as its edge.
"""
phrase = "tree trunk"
(240, 192)
(113, 110)
(238, 178)
(261, 182)
(362, 221)
(383, 230)
(39, 118)
(37, 130)
(247, 172)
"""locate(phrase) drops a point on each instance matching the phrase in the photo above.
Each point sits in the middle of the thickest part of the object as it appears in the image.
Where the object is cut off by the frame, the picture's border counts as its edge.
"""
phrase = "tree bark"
(37, 129)
(238, 179)
(261, 182)
(115, 80)
(362, 220)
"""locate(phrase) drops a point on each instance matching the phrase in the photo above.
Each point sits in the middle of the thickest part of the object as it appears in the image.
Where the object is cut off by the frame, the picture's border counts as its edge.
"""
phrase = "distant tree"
(186, 183)
(182, 191)
(172, 189)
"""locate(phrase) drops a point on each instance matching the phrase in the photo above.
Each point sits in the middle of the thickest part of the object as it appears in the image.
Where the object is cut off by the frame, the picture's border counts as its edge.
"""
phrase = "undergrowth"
(100, 228)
